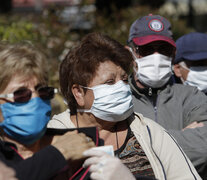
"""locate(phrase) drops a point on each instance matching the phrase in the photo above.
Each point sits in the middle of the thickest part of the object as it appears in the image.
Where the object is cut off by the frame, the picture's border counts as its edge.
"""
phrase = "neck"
(24, 150)
(113, 133)
(89, 120)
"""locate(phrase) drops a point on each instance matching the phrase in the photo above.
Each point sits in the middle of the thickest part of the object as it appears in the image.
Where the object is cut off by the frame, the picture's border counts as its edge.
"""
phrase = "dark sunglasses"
(146, 50)
(25, 94)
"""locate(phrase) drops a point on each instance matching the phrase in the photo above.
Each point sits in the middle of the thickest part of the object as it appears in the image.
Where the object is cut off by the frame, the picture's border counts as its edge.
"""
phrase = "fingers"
(75, 137)
(92, 152)
(194, 125)
(79, 148)
(90, 161)
(200, 124)
(86, 138)
(71, 132)
(98, 167)
(96, 176)
(72, 145)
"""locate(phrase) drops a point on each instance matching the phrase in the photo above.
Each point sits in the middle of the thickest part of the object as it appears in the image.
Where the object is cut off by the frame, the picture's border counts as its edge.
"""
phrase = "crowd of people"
(146, 100)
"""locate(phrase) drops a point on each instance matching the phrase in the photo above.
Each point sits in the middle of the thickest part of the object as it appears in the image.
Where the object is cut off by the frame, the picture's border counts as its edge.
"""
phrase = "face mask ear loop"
(172, 69)
(135, 58)
(77, 120)
(76, 113)
(132, 52)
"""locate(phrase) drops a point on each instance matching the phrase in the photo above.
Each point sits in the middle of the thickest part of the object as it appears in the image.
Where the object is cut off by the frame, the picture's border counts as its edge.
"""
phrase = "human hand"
(104, 166)
(7, 172)
(72, 144)
(194, 125)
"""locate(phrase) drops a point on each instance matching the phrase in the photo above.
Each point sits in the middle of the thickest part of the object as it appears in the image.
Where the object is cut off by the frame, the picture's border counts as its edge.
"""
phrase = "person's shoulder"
(61, 120)
(147, 122)
(64, 114)
(184, 89)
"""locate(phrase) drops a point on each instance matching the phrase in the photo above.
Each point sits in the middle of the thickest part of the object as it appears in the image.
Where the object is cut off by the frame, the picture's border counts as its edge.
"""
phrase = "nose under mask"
(154, 70)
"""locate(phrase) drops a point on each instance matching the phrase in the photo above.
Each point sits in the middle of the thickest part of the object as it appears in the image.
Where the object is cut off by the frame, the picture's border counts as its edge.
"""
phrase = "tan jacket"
(166, 157)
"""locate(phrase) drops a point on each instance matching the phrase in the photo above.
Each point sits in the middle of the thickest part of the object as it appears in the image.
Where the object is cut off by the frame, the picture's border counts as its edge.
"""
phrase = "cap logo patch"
(156, 25)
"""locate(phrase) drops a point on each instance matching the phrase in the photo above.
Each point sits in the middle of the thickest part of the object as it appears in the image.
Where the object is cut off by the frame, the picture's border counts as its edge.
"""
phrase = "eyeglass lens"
(24, 94)
(46, 92)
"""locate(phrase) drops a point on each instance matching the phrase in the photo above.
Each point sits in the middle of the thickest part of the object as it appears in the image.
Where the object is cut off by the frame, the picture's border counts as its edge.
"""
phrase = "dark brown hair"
(81, 63)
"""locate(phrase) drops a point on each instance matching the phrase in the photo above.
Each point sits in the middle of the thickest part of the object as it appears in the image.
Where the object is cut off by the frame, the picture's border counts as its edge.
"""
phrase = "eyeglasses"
(146, 50)
(25, 94)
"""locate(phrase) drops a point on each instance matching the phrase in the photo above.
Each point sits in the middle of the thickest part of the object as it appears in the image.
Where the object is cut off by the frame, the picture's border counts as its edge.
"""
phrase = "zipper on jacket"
(153, 98)
(155, 103)
(155, 111)
(150, 91)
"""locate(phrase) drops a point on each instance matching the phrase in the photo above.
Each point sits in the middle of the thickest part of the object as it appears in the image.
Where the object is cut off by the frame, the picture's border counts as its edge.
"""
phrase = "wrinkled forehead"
(18, 81)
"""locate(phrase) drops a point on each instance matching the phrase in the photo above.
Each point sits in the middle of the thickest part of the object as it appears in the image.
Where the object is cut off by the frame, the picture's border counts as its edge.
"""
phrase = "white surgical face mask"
(197, 77)
(154, 70)
(111, 102)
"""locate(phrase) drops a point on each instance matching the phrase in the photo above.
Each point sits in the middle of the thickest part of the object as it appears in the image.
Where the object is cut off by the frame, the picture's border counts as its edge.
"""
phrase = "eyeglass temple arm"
(11, 95)
(7, 95)
(55, 91)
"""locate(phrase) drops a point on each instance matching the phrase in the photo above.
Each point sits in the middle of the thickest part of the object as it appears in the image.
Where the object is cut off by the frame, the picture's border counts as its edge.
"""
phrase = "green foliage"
(53, 37)
(179, 28)
(118, 24)
(17, 31)
(152, 3)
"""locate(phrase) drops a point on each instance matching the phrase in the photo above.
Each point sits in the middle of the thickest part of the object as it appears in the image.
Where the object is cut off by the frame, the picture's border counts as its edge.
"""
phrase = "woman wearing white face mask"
(93, 80)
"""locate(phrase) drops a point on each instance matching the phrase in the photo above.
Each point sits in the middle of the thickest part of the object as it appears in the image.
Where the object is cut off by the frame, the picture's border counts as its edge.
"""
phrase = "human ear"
(78, 94)
(177, 70)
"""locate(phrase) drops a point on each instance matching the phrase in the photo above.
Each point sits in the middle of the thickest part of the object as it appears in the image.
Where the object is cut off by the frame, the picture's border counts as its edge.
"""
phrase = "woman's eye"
(125, 78)
(110, 82)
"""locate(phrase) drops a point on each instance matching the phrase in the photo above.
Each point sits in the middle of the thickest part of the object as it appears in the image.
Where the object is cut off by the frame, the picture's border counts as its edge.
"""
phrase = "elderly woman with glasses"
(25, 111)
(94, 82)
(24, 96)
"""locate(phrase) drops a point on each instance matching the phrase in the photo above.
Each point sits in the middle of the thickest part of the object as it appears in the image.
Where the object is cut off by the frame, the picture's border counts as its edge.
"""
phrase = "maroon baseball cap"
(151, 28)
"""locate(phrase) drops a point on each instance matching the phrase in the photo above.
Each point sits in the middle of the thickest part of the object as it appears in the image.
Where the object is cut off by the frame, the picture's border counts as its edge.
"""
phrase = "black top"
(41, 166)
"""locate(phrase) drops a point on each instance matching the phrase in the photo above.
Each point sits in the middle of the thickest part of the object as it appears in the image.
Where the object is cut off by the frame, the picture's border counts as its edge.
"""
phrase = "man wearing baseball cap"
(190, 64)
(180, 109)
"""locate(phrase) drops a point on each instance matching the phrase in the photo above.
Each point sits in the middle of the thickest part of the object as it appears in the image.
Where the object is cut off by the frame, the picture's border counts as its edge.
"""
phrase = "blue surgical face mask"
(26, 122)
(112, 102)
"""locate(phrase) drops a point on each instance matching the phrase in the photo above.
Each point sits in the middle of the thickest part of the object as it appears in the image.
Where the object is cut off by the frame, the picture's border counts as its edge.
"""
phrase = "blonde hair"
(21, 59)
